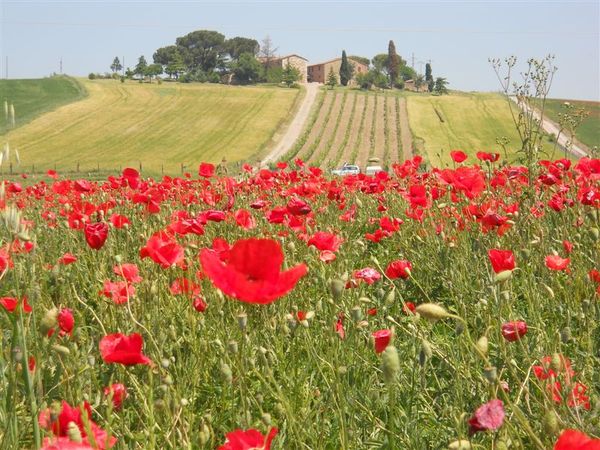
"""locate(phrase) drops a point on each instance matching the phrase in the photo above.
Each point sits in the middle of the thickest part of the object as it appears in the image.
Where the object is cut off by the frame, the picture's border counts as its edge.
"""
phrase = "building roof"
(276, 58)
(336, 59)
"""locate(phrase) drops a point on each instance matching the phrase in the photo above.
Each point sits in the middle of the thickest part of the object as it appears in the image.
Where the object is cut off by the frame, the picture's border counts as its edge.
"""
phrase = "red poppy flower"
(52, 174)
(576, 440)
(485, 156)
(501, 260)
(129, 272)
(118, 392)
(67, 259)
(488, 416)
(66, 321)
(10, 304)
(458, 156)
(252, 272)
(184, 286)
(248, 440)
(298, 207)
(119, 292)
(325, 241)
(163, 250)
(398, 269)
(244, 219)
(409, 308)
(199, 304)
(555, 262)
(132, 177)
(206, 170)
(59, 425)
(381, 339)
(119, 221)
(513, 331)
(96, 234)
(123, 349)
(368, 275)
(568, 246)
(327, 256)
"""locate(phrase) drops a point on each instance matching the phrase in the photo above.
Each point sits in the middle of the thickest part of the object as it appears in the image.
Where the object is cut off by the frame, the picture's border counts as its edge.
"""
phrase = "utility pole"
(6, 67)
(61, 65)
(413, 61)
(123, 68)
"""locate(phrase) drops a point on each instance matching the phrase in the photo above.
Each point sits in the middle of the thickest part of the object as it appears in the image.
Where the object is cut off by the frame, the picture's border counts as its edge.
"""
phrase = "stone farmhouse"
(318, 73)
(409, 85)
(293, 60)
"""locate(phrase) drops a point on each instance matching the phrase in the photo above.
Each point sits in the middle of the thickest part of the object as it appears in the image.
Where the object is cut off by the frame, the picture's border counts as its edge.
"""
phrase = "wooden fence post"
(11, 168)
(77, 166)
(140, 166)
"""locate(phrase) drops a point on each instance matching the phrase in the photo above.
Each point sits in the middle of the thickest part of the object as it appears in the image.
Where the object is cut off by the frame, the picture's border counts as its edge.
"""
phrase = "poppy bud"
(565, 335)
(462, 444)
(390, 298)
(49, 321)
(154, 289)
(391, 364)
(425, 353)
(226, 373)
(291, 247)
(342, 370)
(74, 433)
(266, 419)
(61, 350)
(501, 445)
(595, 233)
(168, 380)
(482, 345)
(336, 287)
(431, 311)
(232, 346)
(556, 362)
(503, 276)
(490, 374)
(459, 328)
(549, 289)
(165, 363)
(550, 423)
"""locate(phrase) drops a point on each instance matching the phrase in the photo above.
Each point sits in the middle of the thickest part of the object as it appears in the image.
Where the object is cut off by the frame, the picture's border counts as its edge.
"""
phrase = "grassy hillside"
(589, 131)
(161, 126)
(471, 122)
(32, 98)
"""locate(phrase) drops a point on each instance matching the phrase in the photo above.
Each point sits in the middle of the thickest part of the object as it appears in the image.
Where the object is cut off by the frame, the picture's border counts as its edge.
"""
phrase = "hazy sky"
(457, 36)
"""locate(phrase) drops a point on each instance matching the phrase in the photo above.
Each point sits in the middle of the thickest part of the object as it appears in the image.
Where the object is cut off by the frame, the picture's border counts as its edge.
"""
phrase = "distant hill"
(32, 98)
(161, 126)
(589, 131)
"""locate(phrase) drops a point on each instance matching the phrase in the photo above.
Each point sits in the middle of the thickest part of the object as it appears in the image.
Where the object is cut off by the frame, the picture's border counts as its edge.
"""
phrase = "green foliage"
(116, 65)
(92, 76)
(247, 69)
(346, 70)
(407, 73)
(440, 87)
(361, 59)
(364, 80)
(273, 74)
(141, 67)
(237, 46)
(331, 79)
(201, 49)
(290, 75)
(153, 70)
(588, 131)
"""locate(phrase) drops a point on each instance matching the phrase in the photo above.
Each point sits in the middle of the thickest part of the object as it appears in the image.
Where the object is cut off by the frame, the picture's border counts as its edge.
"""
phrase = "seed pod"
(565, 335)
(336, 287)
(356, 313)
(461, 444)
(242, 319)
(550, 423)
(501, 445)
(165, 363)
(595, 233)
(74, 433)
(291, 247)
(266, 419)
(391, 364)
(459, 328)
(431, 311)
(482, 345)
(390, 298)
(226, 373)
(232, 347)
(49, 321)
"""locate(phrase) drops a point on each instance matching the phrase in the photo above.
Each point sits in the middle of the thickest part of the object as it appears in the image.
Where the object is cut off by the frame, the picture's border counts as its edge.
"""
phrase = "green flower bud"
(390, 363)
(336, 287)
(431, 311)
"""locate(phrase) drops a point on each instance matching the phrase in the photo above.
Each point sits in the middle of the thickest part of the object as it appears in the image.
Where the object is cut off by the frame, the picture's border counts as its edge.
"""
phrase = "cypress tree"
(429, 77)
(393, 64)
(346, 70)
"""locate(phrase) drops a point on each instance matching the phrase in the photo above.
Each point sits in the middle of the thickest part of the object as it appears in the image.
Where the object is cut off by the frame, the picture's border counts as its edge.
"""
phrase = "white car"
(346, 169)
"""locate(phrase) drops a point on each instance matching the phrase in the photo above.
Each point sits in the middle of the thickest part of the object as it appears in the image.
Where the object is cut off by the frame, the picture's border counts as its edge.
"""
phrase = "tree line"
(386, 71)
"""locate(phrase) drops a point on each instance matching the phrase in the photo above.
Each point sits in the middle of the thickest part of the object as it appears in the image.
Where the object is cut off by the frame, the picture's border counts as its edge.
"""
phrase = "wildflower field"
(452, 308)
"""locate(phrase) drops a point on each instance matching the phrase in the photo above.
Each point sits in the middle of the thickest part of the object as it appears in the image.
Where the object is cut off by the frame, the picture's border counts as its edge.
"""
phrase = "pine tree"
(429, 77)
(393, 61)
(331, 79)
(346, 70)
(141, 66)
(290, 75)
(116, 65)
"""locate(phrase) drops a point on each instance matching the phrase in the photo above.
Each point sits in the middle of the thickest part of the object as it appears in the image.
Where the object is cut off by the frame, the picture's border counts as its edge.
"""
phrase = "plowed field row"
(353, 127)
